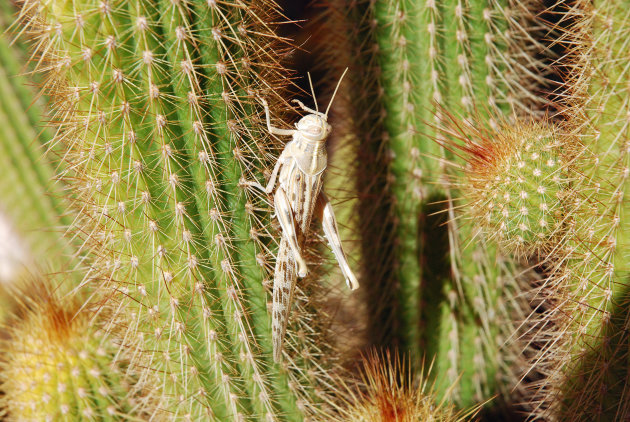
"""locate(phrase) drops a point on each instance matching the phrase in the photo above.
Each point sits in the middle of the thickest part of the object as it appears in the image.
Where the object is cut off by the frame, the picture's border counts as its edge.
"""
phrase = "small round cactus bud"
(518, 183)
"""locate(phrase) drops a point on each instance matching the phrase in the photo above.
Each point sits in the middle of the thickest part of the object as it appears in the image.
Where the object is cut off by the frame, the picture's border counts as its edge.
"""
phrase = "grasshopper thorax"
(314, 127)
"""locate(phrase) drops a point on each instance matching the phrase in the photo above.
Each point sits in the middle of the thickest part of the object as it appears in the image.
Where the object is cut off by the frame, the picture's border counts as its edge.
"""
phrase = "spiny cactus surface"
(58, 365)
(434, 282)
(392, 394)
(518, 185)
(162, 140)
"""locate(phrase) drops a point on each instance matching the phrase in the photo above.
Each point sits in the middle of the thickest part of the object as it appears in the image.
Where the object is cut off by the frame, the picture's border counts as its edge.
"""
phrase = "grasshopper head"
(314, 127)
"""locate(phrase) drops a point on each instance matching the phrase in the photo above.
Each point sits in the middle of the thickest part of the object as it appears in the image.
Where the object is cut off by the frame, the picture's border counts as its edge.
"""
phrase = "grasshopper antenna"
(310, 83)
(335, 93)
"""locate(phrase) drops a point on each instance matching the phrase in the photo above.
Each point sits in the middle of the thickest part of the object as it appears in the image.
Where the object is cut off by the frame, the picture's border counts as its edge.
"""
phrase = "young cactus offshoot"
(518, 183)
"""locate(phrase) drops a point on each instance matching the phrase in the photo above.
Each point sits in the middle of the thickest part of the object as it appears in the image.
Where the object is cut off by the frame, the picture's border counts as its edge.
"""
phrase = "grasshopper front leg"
(271, 129)
(272, 179)
(329, 224)
(284, 213)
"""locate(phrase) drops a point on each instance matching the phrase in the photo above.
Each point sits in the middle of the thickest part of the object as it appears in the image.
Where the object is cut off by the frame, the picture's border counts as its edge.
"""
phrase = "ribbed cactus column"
(28, 194)
(158, 103)
(403, 50)
(409, 63)
(594, 380)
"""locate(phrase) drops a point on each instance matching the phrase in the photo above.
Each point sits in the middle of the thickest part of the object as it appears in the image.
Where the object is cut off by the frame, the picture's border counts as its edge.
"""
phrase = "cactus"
(489, 224)
(59, 366)
(429, 290)
(162, 137)
(29, 198)
(391, 395)
(520, 186)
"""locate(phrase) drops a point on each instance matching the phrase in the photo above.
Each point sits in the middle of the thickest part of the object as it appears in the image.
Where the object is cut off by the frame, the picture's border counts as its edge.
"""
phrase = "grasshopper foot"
(302, 269)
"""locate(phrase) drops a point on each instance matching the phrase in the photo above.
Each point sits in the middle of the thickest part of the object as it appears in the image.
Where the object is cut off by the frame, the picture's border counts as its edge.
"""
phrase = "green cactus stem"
(29, 196)
(163, 138)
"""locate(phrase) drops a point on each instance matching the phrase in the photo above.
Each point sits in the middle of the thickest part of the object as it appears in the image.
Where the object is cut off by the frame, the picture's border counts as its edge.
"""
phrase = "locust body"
(299, 177)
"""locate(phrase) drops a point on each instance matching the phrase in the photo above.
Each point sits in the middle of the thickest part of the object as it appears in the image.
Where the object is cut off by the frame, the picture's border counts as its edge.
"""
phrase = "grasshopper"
(299, 176)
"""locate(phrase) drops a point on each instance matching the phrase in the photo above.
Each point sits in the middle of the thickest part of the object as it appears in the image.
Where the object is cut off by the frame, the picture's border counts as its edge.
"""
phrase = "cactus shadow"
(597, 388)
(434, 263)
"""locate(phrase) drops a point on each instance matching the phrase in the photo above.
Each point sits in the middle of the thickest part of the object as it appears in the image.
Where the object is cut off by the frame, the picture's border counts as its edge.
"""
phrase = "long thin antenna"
(312, 90)
(335, 93)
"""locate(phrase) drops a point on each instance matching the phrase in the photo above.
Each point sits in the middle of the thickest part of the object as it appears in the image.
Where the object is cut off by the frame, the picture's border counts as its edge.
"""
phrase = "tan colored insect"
(299, 173)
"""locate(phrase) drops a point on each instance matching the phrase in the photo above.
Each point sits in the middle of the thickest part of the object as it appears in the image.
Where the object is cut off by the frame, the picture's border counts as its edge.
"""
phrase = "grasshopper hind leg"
(283, 286)
(329, 222)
